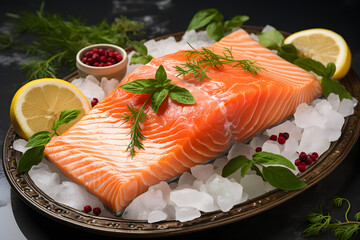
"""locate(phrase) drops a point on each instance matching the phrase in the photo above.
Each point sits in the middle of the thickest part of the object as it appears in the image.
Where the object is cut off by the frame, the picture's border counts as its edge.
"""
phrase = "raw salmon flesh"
(231, 105)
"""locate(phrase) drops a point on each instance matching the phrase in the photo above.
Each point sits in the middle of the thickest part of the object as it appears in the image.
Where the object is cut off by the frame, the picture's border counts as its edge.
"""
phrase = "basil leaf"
(161, 74)
(181, 95)
(271, 39)
(215, 30)
(204, 17)
(157, 98)
(331, 86)
(39, 139)
(311, 65)
(140, 48)
(234, 164)
(32, 156)
(257, 171)
(68, 115)
(282, 178)
(288, 52)
(234, 22)
(146, 86)
(330, 69)
(268, 158)
(135, 59)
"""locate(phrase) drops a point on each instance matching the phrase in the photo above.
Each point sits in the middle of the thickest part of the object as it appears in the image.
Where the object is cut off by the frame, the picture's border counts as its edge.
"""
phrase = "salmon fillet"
(231, 105)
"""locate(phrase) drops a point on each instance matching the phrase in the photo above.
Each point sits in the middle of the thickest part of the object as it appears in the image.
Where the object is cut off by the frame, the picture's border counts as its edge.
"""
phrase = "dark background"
(282, 222)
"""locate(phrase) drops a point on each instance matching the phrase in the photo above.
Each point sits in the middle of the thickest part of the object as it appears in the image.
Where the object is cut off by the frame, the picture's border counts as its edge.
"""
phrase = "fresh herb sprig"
(344, 230)
(199, 61)
(213, 19)
(278, 176)
(56, 41)
(274, 40)
(142, 55)
(159, 88)
(37, 142)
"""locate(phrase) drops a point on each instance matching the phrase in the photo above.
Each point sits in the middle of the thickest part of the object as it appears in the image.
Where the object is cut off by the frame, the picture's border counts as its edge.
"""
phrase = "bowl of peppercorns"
(102, 60)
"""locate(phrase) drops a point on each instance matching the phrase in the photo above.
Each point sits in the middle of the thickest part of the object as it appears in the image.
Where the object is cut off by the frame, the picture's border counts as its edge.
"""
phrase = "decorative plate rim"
(25, 188)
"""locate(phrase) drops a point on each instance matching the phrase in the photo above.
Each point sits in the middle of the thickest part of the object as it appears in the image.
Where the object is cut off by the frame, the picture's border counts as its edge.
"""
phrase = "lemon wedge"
(38, 103)
(324, 46)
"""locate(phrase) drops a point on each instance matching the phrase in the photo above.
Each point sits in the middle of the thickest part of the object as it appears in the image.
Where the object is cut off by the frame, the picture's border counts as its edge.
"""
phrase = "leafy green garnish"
(344, 230)
(198, 62)
(213, 19)
(274, 40)
(56, 40)
(143, 56)
(37, 142)
(278, 176)
(5, 41)
(159, 88)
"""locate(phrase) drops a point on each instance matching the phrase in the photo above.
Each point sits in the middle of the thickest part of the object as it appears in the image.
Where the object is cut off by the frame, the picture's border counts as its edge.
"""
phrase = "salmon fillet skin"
(230, 105)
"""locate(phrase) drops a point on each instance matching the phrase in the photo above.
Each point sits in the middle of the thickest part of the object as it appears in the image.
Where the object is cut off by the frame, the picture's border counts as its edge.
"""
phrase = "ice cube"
(156, 216)
(290, 147)
(219, 164)
(202, 172)
(346, 107)
(287, 126)
(240, 149)
(186, 179)
(307, 116)
(19, 145)
(314, 140)
(271, 146)
(184, 214)
(258, 141)
(253, 185)
(334, 120)
(89, 88)
(323, 106)
(268, 28)
(164, 188)
(108, 85)
(334, 100)
(188, 197)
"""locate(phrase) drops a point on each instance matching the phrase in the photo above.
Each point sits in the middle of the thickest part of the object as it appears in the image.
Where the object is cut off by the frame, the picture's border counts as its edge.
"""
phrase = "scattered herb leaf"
(6, 41)
(37, 141)
(158, 88)
(199, 61)
(143, 56)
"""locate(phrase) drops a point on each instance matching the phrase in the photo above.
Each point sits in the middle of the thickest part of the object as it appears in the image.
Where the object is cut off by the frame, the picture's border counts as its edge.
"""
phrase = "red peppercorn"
(285, 135)
(273, 137)
(308, 160)
(119, 58)
(258, 149)
(281, 140)
(297, 162)
(303, 156)
(97, 56)
(95, 50)
(97, 211)
(87, 208)
(94, 102)
(301, 167)
(315, 154)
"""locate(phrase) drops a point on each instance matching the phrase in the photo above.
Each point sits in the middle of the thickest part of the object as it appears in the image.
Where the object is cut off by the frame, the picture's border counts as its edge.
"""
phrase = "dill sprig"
(318, 222)
(55, 41)
(199, 61)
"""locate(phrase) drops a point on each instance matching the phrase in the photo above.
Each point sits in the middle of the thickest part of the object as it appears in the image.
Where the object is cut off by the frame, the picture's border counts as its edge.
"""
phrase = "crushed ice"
(202, 189)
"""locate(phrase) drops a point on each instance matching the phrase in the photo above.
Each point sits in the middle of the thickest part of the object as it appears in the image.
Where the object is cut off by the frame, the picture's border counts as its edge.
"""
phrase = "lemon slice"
(324, 46)
(38, 103)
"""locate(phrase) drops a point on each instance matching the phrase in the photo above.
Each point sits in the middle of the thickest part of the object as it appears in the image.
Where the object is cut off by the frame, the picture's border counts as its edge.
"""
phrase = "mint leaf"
(330, 69)
(311, 65)
(68, 115)
(282, 178)
(204, 17)
(39, 139)
(157, 98)
(267, 158)
(271, 39)
(331, 86)
(181, 95)
(234, 22)
(135, 59)
(215, 30)
(140, 48)
(288, 52)
(161, 74)
(32, 156)
(146, 86)
(236, 163)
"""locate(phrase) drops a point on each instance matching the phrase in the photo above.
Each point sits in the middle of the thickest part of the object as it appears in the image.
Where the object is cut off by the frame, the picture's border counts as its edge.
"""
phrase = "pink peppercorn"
(258, 149)
(301, 167)
(87, 209)
(97, 211)
(273, 137)
(281, 140)
(94, 102)
(297, 162)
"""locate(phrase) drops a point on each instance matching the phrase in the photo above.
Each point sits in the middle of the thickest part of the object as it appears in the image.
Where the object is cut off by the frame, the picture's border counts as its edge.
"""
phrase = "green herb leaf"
(5, 41)
(39, 139)
(282, 178)
(181, 95)
(235, 22)
(332, 86)
(204, 17)
(161, 75)
(32, 156)
(135, 59)
(240, 162)
(157, 98)
(140, 48)
(330, 69)
(146, 86)
(267, 158)
(311, 65)
(215, 30)
(68, 115)
(271, 39)
(357, 216)
(288, 52)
